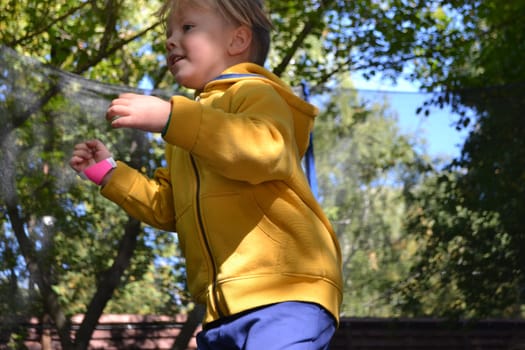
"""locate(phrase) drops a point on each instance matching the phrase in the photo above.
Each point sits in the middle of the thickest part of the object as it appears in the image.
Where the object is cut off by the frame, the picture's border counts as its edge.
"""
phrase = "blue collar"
(238, 75)
(232, 76)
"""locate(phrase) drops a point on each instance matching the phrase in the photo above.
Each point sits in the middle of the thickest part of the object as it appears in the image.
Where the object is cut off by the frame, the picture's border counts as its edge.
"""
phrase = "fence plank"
(159, 332)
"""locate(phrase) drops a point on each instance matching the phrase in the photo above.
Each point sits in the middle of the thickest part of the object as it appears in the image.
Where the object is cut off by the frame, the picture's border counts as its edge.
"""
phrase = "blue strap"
(309, 156)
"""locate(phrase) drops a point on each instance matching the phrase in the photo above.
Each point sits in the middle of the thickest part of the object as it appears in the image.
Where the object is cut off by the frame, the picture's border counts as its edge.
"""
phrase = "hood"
(303, 112)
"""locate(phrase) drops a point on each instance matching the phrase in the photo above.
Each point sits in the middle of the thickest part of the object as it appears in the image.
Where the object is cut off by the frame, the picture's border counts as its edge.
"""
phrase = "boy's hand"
(88, 153)
(142, 112)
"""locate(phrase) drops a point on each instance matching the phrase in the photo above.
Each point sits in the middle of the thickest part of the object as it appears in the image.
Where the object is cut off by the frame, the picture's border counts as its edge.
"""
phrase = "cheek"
(204, 45)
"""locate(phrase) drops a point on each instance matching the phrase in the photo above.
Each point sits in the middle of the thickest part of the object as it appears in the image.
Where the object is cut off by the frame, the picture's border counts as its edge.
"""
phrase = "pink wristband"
(96, 172)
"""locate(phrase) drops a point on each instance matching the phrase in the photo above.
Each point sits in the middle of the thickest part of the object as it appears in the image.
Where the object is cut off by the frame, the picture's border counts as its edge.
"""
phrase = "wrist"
(166, 126)
(106, 178)
(97, 172)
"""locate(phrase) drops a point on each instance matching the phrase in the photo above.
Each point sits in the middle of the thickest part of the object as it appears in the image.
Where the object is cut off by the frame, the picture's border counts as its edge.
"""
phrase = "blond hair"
(250, 13)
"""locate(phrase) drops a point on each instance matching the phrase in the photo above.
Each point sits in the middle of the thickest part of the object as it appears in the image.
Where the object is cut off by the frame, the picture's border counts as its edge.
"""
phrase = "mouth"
(173, 59)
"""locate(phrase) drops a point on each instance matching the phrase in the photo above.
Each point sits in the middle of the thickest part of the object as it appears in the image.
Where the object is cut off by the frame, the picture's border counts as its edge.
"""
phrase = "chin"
(189, 84)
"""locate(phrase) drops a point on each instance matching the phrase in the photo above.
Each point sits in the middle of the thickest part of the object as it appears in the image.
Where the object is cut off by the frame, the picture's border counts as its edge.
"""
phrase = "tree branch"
(50, 299)
(108, 283)
(106, 53)
(301, 37)
(45, 28)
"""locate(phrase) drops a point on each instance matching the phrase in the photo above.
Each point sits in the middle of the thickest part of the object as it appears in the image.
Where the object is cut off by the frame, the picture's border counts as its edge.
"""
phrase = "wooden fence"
(158, 332)
(429, 334)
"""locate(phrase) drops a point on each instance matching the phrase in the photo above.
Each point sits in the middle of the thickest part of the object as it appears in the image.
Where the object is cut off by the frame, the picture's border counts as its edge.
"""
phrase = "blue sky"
(442, 138)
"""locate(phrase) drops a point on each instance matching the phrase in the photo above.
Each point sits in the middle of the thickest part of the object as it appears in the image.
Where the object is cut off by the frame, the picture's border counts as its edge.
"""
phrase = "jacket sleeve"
(145, 199)
(246, 134)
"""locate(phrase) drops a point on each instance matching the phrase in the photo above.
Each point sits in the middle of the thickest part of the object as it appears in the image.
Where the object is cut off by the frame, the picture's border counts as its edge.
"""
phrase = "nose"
(171, 41)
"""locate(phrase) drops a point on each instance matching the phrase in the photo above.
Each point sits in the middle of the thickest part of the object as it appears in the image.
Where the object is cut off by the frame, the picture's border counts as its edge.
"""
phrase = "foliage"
(473, 214)
(459, 271)
(101, 40)
(78, 249)
(119, 42)
(364, 166)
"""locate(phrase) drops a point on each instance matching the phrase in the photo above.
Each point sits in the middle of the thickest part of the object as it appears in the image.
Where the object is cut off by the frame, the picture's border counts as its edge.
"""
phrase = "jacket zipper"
(205, 239)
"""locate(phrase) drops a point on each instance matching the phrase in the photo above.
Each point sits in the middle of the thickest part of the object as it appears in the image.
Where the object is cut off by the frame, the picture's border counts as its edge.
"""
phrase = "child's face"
(197, 43)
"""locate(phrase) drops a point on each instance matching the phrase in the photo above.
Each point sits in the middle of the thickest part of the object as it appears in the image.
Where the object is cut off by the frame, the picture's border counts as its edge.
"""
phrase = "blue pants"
(288, 325)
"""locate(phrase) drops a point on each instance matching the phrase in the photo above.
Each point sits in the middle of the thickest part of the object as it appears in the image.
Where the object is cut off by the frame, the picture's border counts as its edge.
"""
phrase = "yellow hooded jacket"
(234, 190)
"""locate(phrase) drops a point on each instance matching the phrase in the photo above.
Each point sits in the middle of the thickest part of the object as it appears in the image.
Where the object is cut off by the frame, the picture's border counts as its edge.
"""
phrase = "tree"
(479, 247)
(76, 256)
(122, 42)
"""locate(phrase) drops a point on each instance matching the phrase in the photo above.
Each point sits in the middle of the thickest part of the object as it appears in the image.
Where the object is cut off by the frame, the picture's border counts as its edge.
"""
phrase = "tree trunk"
(188, 329)
(46, 341)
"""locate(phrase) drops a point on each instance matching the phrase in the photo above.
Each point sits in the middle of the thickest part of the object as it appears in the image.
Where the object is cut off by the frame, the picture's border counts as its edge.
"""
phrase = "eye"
(187, 27)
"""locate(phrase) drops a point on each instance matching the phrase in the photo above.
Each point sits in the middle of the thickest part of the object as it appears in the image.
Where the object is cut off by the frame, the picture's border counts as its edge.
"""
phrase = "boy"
(260, 253)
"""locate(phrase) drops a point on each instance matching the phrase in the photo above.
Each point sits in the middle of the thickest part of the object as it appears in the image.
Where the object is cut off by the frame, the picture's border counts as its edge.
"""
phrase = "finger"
(118, 106)
(98, 150)
(123, 99)
(128, 96)
(83, 154)
(76, 161)
(121, 121)
(89, 149)
(81, 145)
(116, 111)
(95, 144)
(82, 148)
(79, 164)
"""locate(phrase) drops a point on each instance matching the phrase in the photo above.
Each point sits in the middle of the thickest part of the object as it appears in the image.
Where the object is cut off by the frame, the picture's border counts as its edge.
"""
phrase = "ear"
(241, 41)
